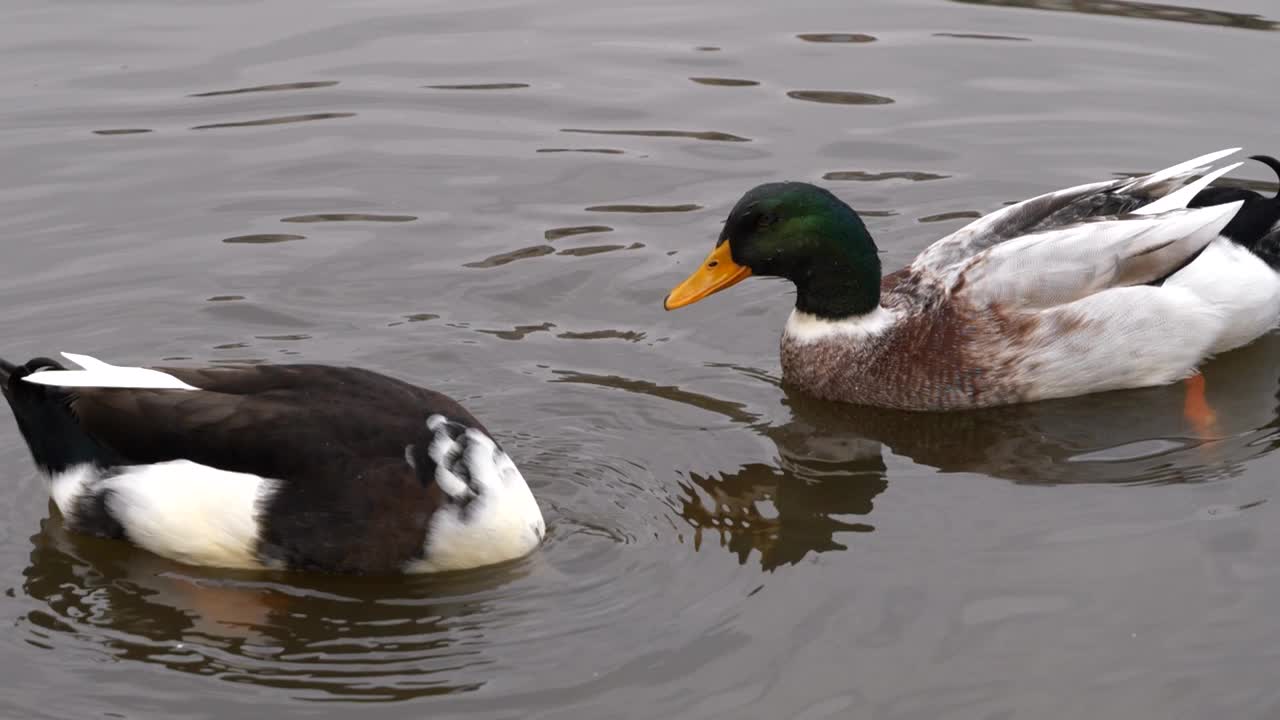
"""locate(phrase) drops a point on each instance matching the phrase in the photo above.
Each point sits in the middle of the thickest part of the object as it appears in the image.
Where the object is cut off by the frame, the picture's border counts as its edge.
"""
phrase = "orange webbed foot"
(1197, 411)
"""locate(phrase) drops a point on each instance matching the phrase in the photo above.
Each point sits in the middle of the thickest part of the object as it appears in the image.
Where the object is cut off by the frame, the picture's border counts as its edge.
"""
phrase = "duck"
(1123, 283)
(272, 467)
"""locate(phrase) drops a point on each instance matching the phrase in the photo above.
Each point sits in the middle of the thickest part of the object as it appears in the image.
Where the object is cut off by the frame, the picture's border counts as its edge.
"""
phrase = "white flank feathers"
(1241, 290)
(181, 510)
(95, 373)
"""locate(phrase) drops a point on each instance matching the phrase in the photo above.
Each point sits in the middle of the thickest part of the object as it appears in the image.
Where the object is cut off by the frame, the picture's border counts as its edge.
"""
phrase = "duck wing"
(279, 421)
(1064, 209)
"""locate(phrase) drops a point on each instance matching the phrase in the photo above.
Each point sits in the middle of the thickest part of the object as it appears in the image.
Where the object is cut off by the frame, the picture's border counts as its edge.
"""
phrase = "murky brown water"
(492, 197)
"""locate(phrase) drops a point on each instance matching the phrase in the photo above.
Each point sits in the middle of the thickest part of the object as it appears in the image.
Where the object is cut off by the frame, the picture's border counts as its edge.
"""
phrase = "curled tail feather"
(1271, 163)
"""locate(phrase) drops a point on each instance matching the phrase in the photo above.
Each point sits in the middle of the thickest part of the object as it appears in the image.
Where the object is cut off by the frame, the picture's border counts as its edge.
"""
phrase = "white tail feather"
(1179, 199)
(95, 373)
(1183, 168)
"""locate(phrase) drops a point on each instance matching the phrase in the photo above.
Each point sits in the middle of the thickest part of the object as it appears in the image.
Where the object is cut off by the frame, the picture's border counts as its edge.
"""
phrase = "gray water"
(492, 198)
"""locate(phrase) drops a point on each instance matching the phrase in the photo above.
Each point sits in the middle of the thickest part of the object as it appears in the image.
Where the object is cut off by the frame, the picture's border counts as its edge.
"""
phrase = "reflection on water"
(830, 466)
(1144, 11)
(823, 485)
(317, 637)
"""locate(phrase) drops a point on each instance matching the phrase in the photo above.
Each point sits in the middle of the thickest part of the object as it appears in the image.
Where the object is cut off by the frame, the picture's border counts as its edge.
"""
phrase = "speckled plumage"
(1117, 284)
(938, 355)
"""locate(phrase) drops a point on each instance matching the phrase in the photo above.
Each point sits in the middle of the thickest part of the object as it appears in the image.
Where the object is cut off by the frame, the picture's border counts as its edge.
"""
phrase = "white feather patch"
(1123, 338)
(501, 522)
(95, 373)
(181, 510)
(805, 328)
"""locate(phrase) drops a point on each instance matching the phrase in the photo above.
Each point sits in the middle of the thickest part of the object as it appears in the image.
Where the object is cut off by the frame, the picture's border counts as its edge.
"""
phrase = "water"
(492, 198)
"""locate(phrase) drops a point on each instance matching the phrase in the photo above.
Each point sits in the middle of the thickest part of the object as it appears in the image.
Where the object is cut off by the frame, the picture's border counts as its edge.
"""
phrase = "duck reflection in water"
(821, 491)
(318, 636)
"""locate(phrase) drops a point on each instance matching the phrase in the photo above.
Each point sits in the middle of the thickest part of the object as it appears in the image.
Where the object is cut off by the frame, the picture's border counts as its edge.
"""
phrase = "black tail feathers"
(1256, 225)
(10, 374)
(47, 422)
(1272, 163)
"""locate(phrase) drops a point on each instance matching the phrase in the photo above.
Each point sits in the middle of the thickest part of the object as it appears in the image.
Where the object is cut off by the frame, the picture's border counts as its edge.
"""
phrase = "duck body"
(1119, 284)
(300, 467)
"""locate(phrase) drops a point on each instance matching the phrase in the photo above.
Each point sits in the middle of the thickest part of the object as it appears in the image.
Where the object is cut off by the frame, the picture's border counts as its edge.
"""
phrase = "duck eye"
(765, 220)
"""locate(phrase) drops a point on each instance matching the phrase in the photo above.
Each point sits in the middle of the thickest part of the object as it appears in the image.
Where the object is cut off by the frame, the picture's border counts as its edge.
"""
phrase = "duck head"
(796, 231)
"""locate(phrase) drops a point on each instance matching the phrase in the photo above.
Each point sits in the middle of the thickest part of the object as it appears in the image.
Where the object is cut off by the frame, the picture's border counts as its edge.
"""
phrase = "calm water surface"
(492, 198)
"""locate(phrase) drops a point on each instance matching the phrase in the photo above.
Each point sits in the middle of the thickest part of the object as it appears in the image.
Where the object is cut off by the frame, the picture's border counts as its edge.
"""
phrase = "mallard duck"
(302, 467)
(1116, 284)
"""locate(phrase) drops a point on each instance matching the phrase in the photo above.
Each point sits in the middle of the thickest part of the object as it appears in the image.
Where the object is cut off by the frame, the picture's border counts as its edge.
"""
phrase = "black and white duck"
(301, 467)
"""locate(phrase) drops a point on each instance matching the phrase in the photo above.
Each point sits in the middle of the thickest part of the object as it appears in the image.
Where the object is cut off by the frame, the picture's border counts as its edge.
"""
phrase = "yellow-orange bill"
(716, 273)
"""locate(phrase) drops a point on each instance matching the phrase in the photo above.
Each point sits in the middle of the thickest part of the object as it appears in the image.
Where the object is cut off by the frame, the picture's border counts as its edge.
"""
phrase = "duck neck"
(839, 287)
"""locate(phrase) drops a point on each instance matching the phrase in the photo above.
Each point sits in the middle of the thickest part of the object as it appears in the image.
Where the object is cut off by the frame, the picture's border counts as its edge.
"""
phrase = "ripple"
(509, 257)
(628, 335)
(732, 410)
(481, 86)
(415, 317)
(957, 215)
(981, 36)
(632, 208)
(1141, 10)
(564, 232)
(122, 131)
(711, 135)
(1128, 452)
(600, 151)
(724, 82)
(348, 217)
(263, 239)
(839, 97)
(861, 176)
(837, 37)
(269, 88)
(519, 332)
(587, 250)
(281, 120)
(591, 250)
(225, 298)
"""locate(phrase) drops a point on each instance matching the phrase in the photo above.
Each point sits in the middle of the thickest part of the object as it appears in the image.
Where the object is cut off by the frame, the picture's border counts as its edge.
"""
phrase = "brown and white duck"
(1116, 284)
(304, 467)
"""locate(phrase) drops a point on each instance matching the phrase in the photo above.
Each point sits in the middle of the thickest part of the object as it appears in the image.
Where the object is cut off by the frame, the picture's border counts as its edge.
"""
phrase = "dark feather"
(54, 437)
(349, 500)
(1255, 225)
